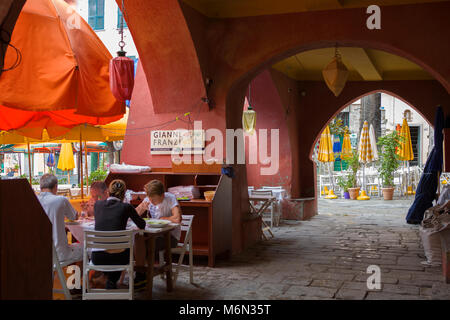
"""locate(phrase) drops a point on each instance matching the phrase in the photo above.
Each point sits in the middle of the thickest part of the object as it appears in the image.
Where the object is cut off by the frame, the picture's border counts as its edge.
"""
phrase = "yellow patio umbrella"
(346, 152)
(113, 131)
(326, 154)
(109, 132)
(365, 156)
(405, 151)
(66, 161)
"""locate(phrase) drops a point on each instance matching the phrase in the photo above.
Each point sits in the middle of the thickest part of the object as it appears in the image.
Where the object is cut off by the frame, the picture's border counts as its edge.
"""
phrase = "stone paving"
(324, 258)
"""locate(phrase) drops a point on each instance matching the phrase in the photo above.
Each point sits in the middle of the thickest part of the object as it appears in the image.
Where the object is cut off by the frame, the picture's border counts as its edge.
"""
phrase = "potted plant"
(388, 162)
(353, 164)
(345, 183)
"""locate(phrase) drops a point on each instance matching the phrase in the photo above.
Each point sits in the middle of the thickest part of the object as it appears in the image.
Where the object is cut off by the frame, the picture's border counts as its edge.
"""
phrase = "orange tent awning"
(64, 66)
(57, 123)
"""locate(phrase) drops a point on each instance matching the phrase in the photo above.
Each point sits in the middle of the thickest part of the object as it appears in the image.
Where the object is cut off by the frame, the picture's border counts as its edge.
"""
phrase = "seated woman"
(112, 215)
(161, 205)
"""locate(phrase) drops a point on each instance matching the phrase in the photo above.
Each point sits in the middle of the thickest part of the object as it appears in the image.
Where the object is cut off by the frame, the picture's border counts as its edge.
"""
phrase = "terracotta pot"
(388, 193)
(354, 193)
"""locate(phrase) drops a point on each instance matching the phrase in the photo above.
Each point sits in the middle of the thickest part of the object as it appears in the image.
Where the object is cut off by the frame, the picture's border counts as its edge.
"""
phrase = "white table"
(279, 194)
(78, 227)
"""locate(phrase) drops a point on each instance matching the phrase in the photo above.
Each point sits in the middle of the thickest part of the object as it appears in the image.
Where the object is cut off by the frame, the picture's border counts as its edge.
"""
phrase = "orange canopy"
(64, 67)
(57, 123)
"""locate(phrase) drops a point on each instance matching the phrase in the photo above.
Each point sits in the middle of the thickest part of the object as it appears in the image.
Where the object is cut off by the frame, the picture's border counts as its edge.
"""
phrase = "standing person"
(112, 215)
(57, 208)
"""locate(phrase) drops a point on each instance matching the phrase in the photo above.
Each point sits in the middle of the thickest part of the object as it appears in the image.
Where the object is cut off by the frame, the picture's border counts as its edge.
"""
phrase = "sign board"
(177, 141)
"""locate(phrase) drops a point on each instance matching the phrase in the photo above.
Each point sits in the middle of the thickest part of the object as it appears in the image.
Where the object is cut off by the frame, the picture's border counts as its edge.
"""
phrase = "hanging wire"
(156, 126)
(6, 41)
(121, 42)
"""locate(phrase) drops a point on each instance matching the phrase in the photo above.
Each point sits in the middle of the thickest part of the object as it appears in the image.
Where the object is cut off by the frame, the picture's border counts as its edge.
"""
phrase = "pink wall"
(270, 114)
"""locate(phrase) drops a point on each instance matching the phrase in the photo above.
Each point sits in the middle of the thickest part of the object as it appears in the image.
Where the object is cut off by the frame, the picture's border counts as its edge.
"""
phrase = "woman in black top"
(112, 215)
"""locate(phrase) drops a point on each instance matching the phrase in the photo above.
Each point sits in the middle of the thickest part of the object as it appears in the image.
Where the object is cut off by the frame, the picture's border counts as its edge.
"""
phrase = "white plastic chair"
(270, 210)
(182, 248)
(276, 204)
(324, 181)
(107, 240)
(57, 266)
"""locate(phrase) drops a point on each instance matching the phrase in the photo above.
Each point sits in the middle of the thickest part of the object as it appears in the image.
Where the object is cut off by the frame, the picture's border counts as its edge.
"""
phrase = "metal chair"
(57, 267)
(107, 240)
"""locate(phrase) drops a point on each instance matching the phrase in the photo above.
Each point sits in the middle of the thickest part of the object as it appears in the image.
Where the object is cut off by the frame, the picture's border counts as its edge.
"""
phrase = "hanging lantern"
(249, 120)
(121, 71)
(335, 74)
(121, 77)
(249, 117)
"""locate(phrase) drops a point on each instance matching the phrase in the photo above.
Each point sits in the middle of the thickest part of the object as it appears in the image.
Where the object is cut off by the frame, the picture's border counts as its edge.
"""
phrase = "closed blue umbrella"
(428, 183)
(50, 160)
(337, 147)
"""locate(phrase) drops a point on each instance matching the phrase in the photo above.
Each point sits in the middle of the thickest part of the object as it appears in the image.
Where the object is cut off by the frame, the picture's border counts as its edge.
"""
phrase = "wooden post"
(81, 166)
(29, 162)
(86, 166)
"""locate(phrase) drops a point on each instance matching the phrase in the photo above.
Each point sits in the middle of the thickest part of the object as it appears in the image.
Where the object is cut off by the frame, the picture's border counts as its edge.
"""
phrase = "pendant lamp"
(121, 70)
(249, 117)
(335, 74)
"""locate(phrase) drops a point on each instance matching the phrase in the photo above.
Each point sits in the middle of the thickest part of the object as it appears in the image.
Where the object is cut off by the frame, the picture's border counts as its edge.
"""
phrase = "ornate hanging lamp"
(249, 117)
(121, 70)
(335, 74)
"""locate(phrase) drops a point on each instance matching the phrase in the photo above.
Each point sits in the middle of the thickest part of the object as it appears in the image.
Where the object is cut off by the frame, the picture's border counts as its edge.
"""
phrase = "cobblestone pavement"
(324, 258)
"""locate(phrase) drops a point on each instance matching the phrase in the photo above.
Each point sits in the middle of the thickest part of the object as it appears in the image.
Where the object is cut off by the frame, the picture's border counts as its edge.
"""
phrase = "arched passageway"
(228, 53)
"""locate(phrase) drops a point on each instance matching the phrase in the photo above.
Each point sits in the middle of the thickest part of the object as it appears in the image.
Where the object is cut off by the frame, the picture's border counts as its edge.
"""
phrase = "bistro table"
(77, 229)
(279, 194)
(259, 210)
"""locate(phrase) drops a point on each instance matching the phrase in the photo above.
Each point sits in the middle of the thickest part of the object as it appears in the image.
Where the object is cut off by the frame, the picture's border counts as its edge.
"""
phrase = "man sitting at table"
(98, 191)
(57, 207)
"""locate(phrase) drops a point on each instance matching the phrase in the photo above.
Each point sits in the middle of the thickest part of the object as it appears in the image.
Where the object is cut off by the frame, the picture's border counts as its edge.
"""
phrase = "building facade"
(385, 115)
(105, 18)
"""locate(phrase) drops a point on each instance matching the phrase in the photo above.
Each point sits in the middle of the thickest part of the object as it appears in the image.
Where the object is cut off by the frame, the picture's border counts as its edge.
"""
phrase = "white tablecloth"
(77, 229)
(75, 192)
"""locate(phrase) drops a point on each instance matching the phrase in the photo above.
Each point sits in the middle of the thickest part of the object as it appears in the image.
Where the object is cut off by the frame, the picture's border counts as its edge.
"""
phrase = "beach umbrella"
(50, 160)
(326, 154)
(365, 154)
(373, 142)
(325, 147)
(337, 149)
(66, 161)
(429, 181)
(64, 63)
(62, 80)
(346, 148)
(405, 151)
(398, 129)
